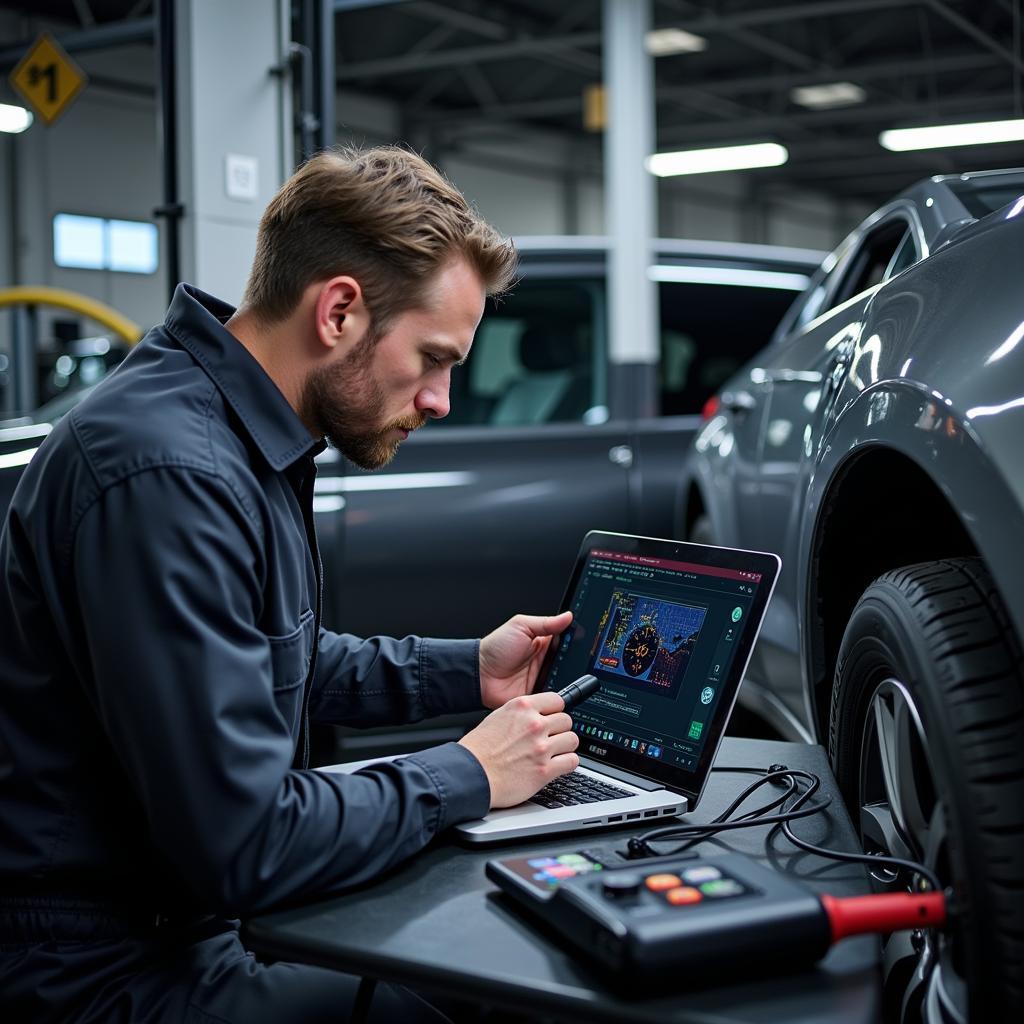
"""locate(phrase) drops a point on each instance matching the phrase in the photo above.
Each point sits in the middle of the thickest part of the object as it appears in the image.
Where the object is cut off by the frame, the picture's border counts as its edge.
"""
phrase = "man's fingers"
(564, 743)
(558, 722)
(563, 764)
(546, 625)
(547, 702)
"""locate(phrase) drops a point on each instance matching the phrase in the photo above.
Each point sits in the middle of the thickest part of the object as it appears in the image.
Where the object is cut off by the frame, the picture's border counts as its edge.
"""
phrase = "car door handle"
(621, 455)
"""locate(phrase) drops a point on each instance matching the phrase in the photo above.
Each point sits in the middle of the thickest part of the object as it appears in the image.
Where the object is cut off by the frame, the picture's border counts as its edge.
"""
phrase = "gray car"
(876, 445)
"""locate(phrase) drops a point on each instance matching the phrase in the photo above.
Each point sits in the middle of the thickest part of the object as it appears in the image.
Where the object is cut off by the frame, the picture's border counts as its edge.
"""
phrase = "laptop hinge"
(622, 776)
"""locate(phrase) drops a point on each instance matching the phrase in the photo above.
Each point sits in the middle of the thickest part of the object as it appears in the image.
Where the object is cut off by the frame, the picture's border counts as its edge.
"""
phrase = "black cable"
(639, 846)
(864, 858)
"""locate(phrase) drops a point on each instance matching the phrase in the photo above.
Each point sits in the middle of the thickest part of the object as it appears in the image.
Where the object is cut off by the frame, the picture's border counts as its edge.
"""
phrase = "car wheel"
(701, 532)
(926, 738)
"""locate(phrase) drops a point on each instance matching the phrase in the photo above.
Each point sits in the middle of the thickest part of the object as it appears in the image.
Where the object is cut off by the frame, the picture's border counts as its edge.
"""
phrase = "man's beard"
(343, 401)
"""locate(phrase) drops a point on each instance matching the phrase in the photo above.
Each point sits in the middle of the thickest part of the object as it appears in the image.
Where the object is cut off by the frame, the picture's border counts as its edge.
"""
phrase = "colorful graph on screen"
(648, 640)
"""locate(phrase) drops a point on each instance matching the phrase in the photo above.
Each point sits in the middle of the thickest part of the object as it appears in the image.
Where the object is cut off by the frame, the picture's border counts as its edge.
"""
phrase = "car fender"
(708, 472)
(904, 417)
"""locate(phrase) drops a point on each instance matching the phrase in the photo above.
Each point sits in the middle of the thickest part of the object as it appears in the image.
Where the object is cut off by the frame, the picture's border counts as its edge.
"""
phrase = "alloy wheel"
(902, 816)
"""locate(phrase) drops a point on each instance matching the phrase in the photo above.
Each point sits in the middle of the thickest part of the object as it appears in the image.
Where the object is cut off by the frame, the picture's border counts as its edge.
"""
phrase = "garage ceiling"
(468, 71)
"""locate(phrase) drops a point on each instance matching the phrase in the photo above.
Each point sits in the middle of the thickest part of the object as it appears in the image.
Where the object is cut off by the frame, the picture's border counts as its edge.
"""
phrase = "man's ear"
(341, 315)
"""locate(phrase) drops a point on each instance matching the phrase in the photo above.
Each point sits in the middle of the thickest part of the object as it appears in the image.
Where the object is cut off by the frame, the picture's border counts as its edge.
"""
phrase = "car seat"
(556, 384)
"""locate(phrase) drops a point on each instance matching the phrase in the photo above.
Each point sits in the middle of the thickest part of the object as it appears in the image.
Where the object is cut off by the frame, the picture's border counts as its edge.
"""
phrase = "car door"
(801, 372)
(480, 515)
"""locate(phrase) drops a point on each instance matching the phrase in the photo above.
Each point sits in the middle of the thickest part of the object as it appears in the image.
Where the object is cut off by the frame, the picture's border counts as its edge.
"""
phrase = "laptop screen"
(667, 628)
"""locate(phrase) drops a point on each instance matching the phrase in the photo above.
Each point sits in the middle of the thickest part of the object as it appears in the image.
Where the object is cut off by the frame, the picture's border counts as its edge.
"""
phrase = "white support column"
(8, 211)
(630, 203)
(234, 133)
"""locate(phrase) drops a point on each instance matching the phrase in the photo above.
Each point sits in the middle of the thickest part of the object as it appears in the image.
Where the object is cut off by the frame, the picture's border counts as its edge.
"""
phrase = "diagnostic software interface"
(661, 636)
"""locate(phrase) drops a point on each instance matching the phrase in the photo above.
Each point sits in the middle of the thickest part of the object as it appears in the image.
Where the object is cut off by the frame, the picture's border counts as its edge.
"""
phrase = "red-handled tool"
(883, 912)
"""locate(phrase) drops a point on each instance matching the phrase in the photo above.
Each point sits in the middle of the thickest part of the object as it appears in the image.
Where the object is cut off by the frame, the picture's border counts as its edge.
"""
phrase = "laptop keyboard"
(577, 788)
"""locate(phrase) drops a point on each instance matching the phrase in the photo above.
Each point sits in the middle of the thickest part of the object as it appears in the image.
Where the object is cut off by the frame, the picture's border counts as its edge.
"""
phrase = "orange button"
(684, 894)
(659, 883)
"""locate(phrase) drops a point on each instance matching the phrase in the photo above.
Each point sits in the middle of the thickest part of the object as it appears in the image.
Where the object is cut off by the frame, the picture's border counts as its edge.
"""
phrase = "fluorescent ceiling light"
(664, 42)
(14, 119)
(729, 275)
(825, 97)
(938, 136)
(723, 158)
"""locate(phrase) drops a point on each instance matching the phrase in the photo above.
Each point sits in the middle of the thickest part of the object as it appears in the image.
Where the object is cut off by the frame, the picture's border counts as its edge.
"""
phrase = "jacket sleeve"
(380, 681)
(181, 680)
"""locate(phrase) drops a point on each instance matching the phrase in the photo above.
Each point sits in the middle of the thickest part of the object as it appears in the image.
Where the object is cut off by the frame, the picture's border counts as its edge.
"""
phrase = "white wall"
(99, 158)
(803, 220)
(515, 203)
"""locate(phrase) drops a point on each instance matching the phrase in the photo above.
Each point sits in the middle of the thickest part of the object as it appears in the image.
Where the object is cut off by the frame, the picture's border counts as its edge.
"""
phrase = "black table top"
(438, 924)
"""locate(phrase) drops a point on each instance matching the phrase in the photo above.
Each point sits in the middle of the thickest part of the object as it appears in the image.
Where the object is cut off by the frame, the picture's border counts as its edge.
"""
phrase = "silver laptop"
(668, 628)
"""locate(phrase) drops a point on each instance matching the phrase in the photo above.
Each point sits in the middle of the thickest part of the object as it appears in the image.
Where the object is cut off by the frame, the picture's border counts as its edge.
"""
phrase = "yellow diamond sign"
(47, 78)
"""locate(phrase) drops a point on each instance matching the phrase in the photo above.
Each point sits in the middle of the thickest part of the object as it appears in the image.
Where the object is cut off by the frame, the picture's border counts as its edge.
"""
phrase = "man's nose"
(433, 401)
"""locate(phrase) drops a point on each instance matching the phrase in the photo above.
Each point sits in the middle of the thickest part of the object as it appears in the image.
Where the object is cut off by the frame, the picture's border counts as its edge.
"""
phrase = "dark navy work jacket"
(162, 654)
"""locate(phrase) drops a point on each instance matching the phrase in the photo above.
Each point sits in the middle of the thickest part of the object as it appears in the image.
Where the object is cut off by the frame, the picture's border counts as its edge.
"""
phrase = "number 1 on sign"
(36, 74)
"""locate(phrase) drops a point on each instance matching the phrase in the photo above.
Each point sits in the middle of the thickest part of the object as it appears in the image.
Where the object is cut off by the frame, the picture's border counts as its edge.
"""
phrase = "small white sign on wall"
(241, 177)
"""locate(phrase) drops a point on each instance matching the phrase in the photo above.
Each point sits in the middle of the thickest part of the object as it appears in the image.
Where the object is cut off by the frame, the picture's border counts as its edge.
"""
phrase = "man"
(163, 655)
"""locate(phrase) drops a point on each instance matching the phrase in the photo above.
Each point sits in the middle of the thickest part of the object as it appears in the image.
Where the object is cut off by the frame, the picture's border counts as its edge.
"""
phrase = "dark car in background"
(481, 514)
(877, 445)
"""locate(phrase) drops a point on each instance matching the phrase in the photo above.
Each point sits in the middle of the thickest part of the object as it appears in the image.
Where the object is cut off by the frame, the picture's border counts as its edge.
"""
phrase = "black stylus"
(579, 690)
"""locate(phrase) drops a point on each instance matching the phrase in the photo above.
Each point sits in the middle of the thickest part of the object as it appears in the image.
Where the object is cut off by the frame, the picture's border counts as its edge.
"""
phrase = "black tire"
(701, 531)
(930, 672)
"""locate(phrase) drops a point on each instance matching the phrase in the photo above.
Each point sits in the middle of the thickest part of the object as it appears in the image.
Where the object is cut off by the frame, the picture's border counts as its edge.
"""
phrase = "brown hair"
(386, 217)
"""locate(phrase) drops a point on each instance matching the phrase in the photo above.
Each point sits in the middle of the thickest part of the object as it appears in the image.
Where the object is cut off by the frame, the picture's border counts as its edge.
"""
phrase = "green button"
(737, 614)
(722, 887)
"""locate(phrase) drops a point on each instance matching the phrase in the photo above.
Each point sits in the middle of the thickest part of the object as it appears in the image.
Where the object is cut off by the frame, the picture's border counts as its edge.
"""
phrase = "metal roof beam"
(776, 15)
(758, 41)
(861, 73)
(478, 85)
(696, 134)
(562, 105)
(978, 35)
(485, 27)
(99, 37)
(554, 45)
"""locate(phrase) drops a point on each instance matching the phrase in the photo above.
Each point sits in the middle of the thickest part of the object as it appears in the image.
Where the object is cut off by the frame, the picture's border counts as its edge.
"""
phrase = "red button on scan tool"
(659, 883)
(683, 895)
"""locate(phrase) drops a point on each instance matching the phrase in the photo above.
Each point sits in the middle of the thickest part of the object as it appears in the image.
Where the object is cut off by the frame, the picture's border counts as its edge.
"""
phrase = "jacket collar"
(196, 320)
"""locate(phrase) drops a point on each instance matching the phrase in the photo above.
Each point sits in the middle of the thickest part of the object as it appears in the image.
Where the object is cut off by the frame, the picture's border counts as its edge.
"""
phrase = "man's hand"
(523, 745)
(511, 656)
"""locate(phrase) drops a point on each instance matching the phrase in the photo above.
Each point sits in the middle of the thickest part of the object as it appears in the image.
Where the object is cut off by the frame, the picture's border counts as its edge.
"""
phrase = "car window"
(905, 256)
(538, 357)
(873, 259)
(810, 304)
(707, 332)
